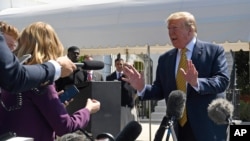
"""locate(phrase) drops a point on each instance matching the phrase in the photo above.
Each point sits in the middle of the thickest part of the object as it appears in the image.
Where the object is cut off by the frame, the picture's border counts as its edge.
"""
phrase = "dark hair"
(73, 48)
(118, 58)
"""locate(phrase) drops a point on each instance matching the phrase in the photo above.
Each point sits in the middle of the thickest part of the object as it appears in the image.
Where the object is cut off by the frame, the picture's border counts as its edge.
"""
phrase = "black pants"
(185, 133)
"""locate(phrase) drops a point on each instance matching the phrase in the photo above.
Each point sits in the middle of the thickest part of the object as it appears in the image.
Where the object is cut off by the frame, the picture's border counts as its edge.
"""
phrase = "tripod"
(170, 128)
(166, 124)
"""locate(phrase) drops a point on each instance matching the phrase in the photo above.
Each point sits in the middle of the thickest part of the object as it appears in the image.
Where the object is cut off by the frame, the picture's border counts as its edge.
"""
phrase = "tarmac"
(148, 131)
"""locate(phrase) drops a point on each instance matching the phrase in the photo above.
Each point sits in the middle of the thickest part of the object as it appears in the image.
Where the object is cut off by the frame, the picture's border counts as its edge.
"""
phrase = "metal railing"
(233, 95)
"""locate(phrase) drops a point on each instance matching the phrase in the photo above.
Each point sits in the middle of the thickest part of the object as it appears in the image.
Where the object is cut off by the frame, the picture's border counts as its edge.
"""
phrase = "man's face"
(119, 65)
(74, 55)
(179, 34)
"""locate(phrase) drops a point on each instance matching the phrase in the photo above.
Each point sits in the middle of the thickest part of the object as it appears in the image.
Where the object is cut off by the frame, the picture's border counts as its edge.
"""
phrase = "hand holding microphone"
(67, 66)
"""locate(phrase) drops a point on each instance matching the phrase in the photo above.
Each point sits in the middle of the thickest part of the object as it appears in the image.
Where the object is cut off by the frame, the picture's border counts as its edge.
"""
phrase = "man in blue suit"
(16, 77)
(206, 78)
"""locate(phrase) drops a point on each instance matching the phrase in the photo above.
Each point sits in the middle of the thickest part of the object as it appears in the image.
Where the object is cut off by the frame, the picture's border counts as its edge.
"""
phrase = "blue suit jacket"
(210, 62)
(16, 77)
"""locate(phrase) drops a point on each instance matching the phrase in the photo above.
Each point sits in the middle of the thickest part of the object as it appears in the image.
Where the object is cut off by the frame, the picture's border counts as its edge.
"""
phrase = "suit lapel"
(196, 56)
(197, 53)
(114, 77)
(169, 68)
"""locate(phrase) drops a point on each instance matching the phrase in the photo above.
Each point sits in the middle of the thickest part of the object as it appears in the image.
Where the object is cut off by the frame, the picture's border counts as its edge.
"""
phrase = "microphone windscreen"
(176, 104)
(220, 110)
(91, 65)
(130, 132)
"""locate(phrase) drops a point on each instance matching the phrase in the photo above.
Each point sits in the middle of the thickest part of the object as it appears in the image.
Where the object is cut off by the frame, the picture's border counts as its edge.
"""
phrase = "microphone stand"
(170, 128)
(230, 122)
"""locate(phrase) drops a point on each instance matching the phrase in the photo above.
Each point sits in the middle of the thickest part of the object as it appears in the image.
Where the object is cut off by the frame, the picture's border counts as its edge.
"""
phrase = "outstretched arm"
(133, 77)
(16, 77)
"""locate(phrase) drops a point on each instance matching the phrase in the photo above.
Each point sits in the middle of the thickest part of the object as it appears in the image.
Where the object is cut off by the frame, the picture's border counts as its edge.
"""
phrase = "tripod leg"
(168, 135)
(173, 132)
(161, 130)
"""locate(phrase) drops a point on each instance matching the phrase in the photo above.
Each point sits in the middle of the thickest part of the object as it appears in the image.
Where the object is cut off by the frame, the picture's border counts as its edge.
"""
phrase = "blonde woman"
(38, 113)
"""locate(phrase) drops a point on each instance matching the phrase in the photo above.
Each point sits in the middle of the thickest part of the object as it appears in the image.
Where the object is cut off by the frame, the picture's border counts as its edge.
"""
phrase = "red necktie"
(89, 77)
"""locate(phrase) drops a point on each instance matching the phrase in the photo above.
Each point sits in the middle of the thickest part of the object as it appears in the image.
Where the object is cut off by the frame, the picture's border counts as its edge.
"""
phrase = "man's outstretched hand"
(133, 77)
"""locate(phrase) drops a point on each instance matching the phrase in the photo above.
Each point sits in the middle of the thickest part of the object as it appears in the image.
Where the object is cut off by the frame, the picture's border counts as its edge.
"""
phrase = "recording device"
(91, 65)
(24, 58)
(69, 93)
(130, 132)
(175, 108)
(176, 104)
(220, 111)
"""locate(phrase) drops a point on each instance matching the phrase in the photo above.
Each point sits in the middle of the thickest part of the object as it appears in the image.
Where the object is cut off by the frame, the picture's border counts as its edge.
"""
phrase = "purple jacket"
(42, 116)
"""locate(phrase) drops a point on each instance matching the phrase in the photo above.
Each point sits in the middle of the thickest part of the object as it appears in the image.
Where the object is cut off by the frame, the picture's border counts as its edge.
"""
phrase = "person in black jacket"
(77, 77)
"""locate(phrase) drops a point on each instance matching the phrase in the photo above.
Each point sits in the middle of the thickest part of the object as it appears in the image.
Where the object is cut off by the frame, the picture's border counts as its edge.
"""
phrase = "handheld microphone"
(176, 104)
(130, 132)
(220, 111)
(91, 65)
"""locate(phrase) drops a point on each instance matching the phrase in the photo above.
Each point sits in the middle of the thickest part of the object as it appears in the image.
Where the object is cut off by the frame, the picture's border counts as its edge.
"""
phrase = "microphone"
(91, 65)
(175, 107)
(220, 111)
(176, 104)
(130, 132)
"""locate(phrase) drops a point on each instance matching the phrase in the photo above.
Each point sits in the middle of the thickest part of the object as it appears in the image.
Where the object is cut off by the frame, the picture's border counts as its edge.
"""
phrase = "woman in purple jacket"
(39, 113)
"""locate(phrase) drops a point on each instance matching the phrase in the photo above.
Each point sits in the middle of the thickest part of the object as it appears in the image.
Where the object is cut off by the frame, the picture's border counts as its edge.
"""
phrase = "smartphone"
(69, 93)
(24, 58)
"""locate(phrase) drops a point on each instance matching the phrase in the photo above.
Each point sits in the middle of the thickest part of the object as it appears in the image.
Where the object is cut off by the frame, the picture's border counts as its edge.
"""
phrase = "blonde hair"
(188, 17)
(41, 41)
(9, 29)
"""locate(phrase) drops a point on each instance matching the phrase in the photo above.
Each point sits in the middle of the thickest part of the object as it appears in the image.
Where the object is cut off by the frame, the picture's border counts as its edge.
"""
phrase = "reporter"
(16, 77)
(41, 108)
